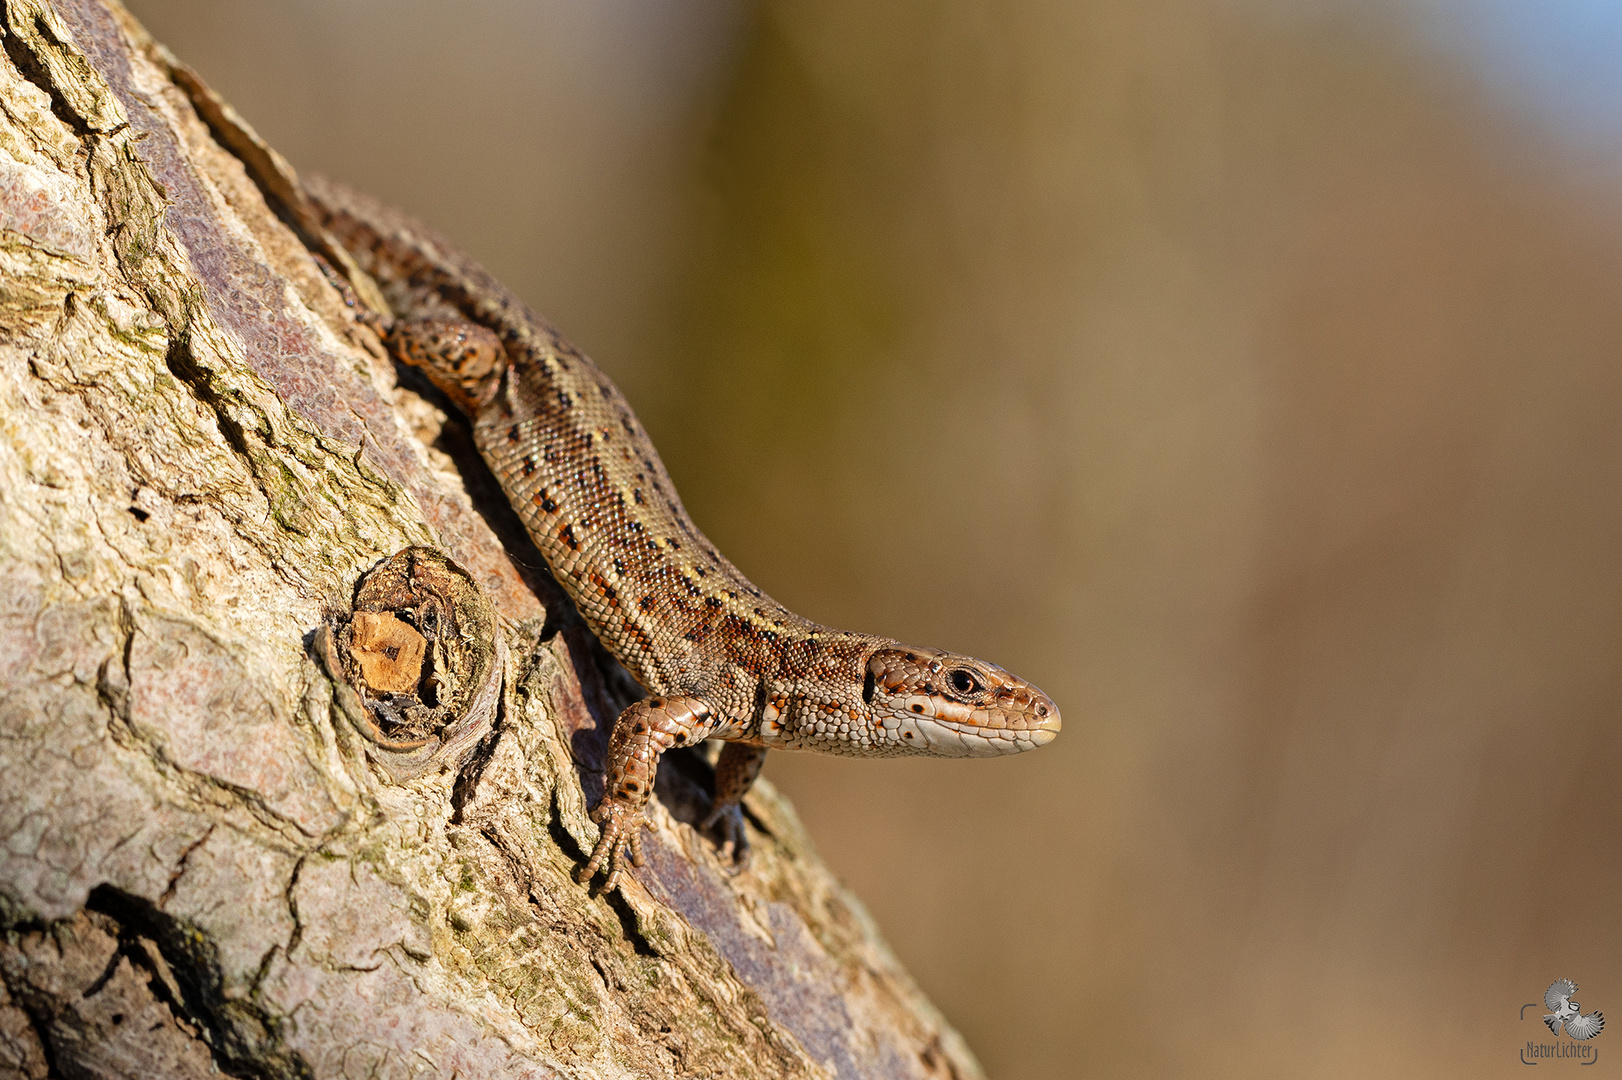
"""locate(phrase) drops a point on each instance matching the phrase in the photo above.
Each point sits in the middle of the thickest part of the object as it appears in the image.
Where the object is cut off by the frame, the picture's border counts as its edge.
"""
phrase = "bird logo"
(1568, 1012)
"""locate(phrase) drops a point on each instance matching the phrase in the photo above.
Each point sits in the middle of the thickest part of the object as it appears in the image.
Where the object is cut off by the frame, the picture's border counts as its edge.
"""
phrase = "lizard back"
(589, 486)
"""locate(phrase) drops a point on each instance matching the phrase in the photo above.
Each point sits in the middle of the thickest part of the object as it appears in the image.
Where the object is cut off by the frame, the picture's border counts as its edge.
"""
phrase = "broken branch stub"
(419, 661)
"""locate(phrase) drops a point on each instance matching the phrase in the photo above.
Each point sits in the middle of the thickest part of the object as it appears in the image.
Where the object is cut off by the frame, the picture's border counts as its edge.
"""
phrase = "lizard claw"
(725, 823)
(620, 838)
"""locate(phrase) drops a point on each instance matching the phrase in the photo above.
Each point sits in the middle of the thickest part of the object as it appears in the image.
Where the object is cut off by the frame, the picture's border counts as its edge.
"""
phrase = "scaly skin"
(720, 658)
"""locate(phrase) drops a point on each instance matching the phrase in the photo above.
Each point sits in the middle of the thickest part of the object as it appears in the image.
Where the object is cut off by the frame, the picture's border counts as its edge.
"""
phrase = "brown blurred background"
(1246, 373)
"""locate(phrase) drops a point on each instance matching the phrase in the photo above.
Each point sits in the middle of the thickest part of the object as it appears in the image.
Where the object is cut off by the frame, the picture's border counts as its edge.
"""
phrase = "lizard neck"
(809, 692)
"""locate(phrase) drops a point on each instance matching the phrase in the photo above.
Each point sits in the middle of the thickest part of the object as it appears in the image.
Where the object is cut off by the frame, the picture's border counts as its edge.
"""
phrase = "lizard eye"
(962, 682)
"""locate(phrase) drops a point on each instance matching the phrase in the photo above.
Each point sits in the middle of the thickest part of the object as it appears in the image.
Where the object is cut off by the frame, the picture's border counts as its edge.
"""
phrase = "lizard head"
(925, 701)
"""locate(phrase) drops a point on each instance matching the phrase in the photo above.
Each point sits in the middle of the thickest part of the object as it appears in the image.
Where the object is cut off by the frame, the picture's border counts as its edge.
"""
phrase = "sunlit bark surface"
(207, 860)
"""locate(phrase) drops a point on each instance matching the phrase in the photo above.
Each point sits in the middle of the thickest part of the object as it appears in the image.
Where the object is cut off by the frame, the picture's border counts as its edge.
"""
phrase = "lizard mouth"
(1028, 721)
(983, 740)
(1044, 734)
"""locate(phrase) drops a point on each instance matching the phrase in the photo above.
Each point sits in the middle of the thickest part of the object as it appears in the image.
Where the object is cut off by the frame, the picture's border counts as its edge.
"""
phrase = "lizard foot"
(620, 835)
(724, 823)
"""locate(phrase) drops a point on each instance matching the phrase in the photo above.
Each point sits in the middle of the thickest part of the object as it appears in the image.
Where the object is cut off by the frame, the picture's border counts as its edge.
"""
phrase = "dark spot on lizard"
(635, 631)
(646, 603)
(605, 588)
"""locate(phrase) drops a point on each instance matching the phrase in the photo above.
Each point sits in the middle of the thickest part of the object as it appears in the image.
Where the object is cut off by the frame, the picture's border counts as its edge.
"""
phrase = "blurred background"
(1246, 373)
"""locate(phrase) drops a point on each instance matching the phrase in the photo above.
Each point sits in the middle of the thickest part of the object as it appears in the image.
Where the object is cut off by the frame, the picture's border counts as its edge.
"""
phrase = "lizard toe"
(634, 842)
(619, 841)
(724, 824)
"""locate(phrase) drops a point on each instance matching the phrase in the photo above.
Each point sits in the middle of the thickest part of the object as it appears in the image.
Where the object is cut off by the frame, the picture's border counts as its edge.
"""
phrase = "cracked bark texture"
(203, 867)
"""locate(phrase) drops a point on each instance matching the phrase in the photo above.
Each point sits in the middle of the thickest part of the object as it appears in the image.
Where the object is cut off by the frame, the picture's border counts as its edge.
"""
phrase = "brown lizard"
(719, 658)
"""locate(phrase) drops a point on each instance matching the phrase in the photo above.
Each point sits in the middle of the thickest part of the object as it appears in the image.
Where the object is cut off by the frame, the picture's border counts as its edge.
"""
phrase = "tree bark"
(211, 856)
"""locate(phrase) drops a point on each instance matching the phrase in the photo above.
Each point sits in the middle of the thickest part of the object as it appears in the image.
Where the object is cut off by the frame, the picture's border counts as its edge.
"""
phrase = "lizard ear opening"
(867, 687)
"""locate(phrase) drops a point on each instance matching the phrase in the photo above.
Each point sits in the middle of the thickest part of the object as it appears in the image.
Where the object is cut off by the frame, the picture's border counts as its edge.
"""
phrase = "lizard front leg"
(642, 732)
(735, 773)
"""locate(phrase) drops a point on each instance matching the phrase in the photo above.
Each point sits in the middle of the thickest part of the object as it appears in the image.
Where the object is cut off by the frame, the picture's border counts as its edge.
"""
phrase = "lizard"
(717, 656)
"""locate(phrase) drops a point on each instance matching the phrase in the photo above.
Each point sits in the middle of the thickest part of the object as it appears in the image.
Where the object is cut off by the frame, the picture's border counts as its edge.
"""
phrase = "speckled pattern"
(721, 659)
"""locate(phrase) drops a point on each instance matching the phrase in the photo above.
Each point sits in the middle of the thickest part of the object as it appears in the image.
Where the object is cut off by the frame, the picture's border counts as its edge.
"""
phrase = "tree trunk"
(212, 855)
